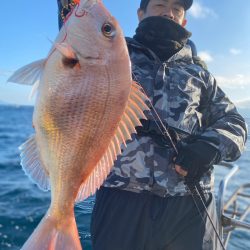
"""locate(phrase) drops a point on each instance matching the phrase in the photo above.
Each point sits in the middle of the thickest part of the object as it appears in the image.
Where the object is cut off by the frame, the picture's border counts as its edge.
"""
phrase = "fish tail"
(52, 235)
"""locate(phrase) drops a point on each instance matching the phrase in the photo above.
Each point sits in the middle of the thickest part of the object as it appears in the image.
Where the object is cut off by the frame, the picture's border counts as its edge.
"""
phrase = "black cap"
(186, 3)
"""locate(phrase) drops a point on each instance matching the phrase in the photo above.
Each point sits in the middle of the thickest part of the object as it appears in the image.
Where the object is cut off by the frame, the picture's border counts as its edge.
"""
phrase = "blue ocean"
(22, 204)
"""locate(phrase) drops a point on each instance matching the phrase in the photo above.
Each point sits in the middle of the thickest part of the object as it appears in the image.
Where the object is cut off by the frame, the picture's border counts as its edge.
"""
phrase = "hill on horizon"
(244, 108)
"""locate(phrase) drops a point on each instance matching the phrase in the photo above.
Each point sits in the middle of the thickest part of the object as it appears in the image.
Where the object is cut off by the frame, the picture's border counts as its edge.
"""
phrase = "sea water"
(22, 204)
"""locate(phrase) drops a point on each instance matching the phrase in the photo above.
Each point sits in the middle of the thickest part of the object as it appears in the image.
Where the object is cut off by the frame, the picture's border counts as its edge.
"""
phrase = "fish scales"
(87, 105)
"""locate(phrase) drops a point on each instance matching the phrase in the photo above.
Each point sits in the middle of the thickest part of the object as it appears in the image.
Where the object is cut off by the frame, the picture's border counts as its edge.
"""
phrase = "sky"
(220, 30)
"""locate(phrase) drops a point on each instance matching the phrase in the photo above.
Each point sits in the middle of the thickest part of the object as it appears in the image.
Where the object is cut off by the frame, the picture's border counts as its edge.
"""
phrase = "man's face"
(172, 9)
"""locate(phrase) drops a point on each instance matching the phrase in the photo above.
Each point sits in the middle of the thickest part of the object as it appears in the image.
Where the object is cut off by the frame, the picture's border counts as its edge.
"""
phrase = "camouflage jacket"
(187, 98)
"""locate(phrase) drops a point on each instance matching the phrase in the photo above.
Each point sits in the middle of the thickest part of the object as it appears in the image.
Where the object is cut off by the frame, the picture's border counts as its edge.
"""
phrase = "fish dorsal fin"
(32, 164)
(29, 74)
(130, 119)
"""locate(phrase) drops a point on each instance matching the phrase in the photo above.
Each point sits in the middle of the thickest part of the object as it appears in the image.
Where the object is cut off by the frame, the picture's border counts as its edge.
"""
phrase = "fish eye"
(108, 30)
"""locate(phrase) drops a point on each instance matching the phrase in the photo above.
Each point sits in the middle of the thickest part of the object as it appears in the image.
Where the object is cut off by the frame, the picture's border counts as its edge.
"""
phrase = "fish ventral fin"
(135, 107)
(32, 165)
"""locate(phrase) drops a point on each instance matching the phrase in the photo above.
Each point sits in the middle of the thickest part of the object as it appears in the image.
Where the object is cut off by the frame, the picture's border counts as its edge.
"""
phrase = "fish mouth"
(85, 7)
(88, 4)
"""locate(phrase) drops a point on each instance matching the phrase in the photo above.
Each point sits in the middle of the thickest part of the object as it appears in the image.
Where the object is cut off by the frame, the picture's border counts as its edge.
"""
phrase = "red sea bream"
(87, 105)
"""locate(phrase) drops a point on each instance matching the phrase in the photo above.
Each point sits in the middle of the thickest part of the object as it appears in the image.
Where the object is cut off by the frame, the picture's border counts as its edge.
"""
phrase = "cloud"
(234, 82)
(205, 56)
(200, 11)
(235, 52)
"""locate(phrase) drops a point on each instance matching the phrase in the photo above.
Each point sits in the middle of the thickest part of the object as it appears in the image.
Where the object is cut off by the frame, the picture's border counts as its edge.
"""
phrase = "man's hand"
(196, 158)
(180, 170)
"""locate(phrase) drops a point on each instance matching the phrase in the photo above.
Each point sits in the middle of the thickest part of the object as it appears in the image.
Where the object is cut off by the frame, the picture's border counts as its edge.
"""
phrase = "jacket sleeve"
(225, 128)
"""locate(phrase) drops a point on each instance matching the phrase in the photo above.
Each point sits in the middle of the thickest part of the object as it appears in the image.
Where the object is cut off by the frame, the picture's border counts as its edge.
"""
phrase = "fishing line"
(206, 211)
(166, 133)
(209, 217)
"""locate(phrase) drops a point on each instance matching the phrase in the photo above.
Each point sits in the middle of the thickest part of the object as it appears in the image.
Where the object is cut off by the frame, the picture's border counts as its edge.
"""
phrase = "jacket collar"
(185, 54)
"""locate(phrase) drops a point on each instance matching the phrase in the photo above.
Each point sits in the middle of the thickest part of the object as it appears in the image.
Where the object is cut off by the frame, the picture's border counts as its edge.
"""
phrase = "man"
(152, 199)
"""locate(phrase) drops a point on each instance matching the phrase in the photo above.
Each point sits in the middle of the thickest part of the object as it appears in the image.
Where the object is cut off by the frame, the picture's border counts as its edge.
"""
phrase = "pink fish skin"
(87, 105)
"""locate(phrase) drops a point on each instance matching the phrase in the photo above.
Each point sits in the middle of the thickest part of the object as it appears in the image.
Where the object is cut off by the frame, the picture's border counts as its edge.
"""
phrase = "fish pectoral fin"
(66, 50)
(133, 112)
(29, 74)
(32, 164)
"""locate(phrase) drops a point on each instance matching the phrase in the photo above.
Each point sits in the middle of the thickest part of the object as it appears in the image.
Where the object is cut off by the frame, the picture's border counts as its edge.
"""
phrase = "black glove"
(196, 158)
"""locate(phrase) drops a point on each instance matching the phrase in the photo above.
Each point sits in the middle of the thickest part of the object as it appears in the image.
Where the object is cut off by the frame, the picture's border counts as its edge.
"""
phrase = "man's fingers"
(181, 171)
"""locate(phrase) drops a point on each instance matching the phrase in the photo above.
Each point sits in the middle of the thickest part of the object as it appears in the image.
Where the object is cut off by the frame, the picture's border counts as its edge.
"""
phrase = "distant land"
(2, 103)
(244, 108)
(244, 112)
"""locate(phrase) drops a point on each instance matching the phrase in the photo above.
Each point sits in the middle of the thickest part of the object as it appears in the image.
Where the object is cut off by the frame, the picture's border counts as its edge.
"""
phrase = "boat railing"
(231, 213)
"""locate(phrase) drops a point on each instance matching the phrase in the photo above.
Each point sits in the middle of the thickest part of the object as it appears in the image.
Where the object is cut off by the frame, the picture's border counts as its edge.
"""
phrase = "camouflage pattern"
(187, 98)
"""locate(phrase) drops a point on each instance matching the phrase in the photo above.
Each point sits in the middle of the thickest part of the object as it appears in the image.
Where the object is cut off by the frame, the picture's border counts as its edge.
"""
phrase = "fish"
(87, 105)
